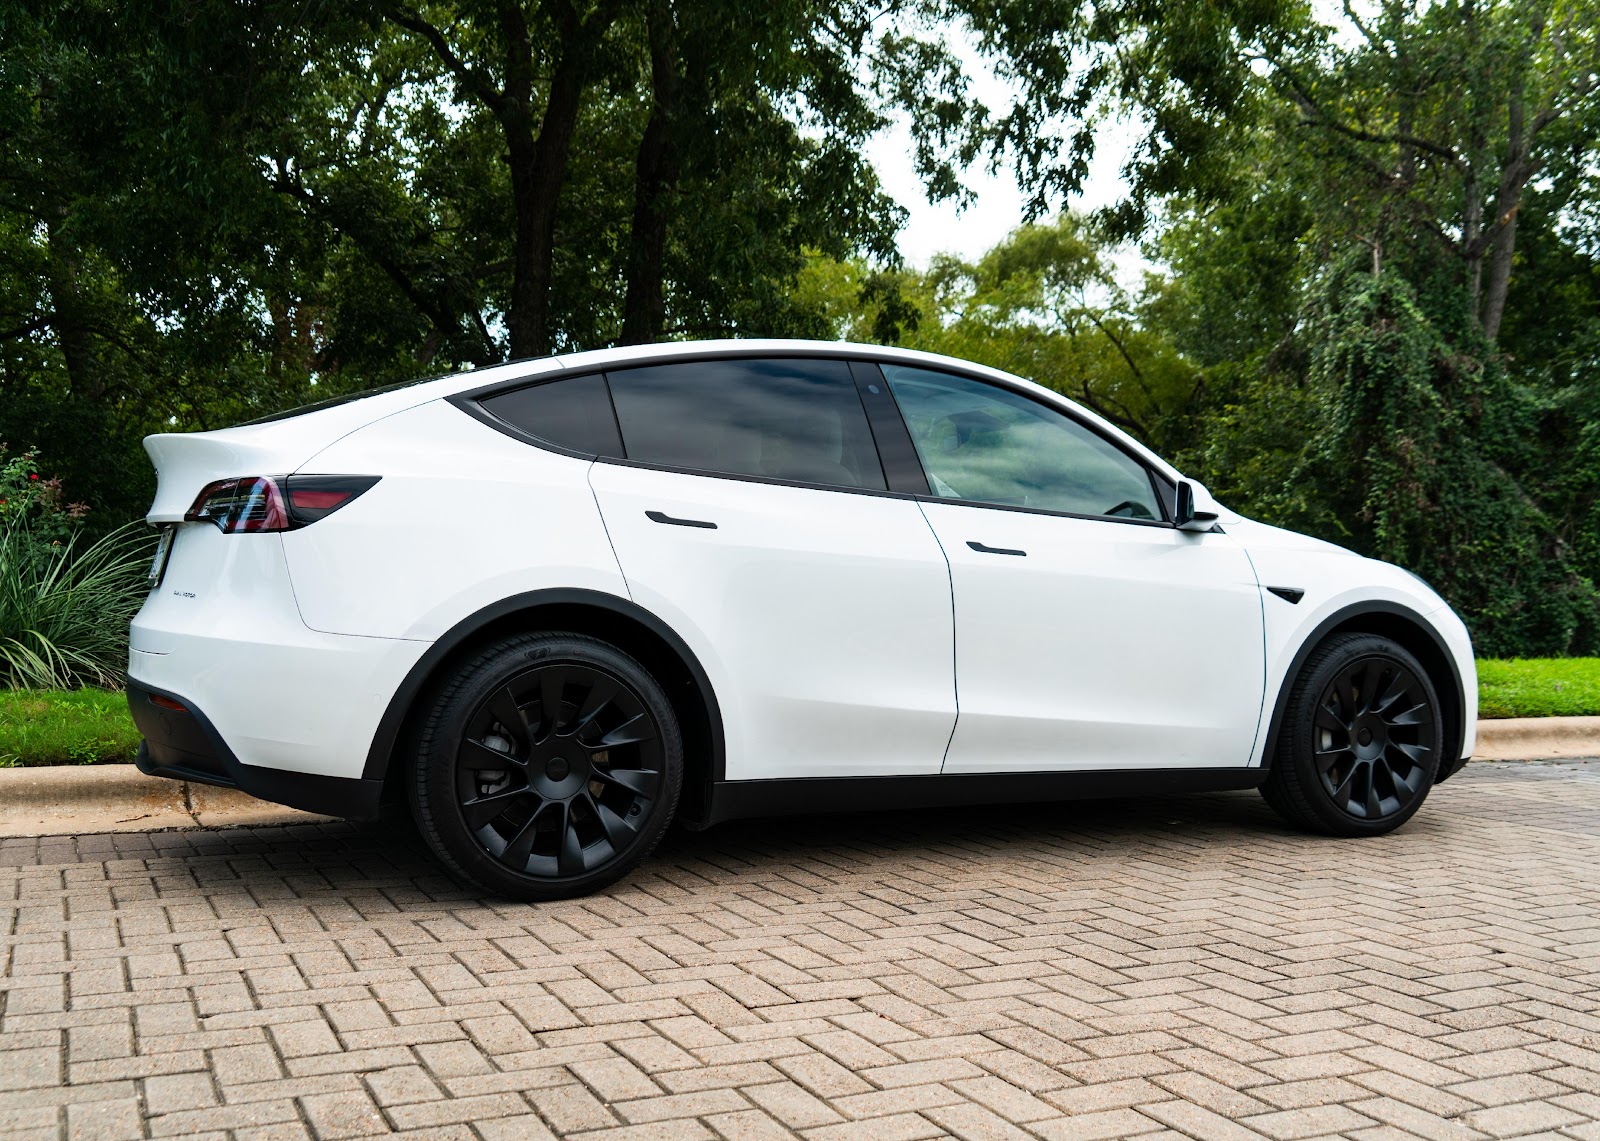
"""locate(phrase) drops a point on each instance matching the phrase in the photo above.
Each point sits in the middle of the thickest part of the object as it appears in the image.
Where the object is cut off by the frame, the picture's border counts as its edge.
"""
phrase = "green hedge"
(92, 726)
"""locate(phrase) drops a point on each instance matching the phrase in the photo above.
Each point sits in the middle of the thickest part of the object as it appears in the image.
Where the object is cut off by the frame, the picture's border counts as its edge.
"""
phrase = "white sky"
(998, 202)
(997, 209)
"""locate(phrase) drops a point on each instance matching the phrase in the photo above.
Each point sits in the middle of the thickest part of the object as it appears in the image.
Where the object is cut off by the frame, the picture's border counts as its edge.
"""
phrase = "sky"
(998, 203)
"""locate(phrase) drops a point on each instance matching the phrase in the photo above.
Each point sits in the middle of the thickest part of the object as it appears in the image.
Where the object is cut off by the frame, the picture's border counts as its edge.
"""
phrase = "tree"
(1045, 304)
(1444, 114)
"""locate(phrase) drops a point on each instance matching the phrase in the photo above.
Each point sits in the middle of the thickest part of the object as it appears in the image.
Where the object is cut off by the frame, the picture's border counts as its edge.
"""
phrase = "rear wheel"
(1360, 740)
(549, 766)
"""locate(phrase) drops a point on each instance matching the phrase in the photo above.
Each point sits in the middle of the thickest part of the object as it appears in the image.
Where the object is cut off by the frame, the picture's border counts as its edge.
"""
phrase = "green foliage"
(1418, 442)
(1564, 687)
(1045, 304)
(65, 727)
(65, 601)
(1381, 225)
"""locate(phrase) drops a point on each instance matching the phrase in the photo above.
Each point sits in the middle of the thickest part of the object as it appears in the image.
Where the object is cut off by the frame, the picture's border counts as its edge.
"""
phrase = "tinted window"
(783, 419)
(987, 444)
(574, 413)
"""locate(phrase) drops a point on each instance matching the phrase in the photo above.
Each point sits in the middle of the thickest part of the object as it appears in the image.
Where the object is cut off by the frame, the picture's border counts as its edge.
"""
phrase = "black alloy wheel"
(549, 767)
(1360, 741)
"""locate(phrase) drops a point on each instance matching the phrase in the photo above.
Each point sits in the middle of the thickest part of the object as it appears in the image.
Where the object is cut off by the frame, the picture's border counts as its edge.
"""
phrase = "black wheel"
(547, 767)
(1360, 740)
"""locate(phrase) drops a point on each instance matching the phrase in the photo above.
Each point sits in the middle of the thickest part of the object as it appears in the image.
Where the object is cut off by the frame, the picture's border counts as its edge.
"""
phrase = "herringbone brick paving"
(1171, 967)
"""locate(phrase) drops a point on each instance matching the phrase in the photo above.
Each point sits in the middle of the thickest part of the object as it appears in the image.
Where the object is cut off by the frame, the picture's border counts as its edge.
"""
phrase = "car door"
(1090, 632)
(750, 513)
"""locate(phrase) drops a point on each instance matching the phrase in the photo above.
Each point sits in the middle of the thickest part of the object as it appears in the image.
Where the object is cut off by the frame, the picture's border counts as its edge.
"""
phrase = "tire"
(1360, 741)
(531, 805)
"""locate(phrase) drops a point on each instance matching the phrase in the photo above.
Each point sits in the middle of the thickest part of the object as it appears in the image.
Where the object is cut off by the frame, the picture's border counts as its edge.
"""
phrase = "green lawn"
(89, 726)
(75, 727)
(1539, 687)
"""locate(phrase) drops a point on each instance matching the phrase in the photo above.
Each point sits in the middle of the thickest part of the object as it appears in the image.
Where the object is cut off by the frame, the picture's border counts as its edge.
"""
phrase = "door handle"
(987, 550)
(663, 517)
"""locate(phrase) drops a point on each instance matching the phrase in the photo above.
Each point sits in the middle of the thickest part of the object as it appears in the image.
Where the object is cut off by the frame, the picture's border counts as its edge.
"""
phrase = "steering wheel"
(1128, 509)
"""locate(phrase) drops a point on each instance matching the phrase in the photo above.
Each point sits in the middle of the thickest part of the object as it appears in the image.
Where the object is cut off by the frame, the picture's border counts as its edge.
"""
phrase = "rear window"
(799, 420)
(572, 413)
(335, 401)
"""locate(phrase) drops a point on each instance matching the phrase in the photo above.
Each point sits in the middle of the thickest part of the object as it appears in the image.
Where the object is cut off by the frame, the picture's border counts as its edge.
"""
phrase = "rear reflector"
(260, 503)
(313, 496)
(167, 703)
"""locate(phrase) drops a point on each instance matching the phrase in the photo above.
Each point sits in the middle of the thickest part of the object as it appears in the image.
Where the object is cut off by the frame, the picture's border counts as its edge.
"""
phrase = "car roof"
(357, 410)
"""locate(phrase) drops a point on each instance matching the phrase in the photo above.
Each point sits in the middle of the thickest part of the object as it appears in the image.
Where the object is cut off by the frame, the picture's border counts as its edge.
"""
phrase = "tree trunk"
(70, 316)
(655, 175)
(1503, 237)
(538, 167)
(1500, 253)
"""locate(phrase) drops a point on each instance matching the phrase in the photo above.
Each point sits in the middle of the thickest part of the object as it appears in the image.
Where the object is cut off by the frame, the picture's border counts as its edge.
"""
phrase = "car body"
(772, 529)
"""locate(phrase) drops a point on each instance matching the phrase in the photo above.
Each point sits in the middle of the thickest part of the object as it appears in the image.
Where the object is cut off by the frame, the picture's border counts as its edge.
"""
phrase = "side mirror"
(1186, 517)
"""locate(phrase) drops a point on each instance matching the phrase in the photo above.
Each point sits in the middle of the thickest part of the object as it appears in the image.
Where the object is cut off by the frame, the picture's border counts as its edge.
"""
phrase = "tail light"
(259, 503)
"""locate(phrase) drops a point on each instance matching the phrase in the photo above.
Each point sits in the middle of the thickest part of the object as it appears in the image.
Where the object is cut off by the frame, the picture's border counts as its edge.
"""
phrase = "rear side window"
(798, 420)
(572, 413)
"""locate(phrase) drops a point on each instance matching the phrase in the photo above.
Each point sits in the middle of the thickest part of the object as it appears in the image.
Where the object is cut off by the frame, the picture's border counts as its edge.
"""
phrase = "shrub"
(65, 604)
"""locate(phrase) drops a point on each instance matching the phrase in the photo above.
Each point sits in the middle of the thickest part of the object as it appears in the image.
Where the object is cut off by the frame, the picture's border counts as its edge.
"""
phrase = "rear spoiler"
(186, 461)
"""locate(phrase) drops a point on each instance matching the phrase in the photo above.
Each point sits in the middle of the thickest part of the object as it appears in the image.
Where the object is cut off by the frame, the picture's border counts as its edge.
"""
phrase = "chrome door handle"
(987, 550)
(663, 517)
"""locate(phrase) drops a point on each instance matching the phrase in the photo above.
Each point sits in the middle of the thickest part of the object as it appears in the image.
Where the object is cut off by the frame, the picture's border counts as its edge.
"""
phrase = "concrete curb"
(1538, 738)
(80, 799)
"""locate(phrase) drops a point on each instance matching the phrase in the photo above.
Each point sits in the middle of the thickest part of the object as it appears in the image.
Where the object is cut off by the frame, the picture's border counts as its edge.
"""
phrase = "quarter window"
(572, 413)
(798, 420)
(985, 444)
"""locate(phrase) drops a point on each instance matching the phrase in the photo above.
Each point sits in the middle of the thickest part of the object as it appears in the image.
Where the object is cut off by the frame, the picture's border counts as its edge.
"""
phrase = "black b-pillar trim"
(901, 467)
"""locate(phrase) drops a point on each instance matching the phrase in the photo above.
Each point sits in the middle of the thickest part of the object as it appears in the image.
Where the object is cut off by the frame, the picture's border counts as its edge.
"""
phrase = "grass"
(1539, 687)
(92, 726)
(65, 727)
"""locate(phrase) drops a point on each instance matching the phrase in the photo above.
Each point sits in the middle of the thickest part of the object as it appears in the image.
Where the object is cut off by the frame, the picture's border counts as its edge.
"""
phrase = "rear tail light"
(260, 503)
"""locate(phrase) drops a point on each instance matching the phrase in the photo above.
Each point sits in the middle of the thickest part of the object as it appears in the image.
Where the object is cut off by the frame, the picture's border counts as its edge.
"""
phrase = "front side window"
(571, 412)
(797, 420)
(986, 444)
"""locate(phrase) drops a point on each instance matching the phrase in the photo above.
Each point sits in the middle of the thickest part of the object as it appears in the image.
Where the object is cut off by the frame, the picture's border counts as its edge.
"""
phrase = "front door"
(1090, 633)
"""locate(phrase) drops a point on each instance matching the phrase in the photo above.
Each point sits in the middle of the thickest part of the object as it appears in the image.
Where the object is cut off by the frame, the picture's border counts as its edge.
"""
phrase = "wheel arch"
(625, 624)
(1411, 630)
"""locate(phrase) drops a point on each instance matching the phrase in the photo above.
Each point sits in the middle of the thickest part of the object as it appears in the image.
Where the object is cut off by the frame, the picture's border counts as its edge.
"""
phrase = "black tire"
(548, 766)
(1360, 741)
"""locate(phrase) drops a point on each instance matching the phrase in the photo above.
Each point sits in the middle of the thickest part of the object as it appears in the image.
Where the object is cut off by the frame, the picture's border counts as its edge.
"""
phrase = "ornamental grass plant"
(65, 599)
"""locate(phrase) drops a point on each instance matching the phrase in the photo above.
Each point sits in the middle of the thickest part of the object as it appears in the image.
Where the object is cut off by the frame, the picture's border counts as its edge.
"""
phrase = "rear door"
(750, 513)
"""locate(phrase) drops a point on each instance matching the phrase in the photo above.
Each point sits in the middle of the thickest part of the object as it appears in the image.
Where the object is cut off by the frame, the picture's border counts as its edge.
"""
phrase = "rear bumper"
(186, 746)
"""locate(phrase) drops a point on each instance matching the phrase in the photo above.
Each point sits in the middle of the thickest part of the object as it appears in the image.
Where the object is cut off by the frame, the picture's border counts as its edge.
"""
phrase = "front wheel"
(547, 767)
(1360, 740)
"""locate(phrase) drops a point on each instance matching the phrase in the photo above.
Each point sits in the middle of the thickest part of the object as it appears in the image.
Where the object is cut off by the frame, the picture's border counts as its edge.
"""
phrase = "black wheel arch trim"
(1452, 760)
(392, 723)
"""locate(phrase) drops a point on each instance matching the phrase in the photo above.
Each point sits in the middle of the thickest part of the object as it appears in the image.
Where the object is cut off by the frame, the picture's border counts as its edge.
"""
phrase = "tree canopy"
(1370, 309)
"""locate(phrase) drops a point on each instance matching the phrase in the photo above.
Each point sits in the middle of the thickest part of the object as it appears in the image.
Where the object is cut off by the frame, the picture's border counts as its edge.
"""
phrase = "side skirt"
(735, 800)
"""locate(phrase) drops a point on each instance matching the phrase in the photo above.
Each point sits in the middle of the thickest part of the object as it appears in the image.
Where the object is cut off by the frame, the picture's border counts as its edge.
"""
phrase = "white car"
(553, 605)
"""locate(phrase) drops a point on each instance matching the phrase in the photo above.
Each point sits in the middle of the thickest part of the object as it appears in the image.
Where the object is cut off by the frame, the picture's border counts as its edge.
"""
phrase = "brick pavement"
(1172, 967)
